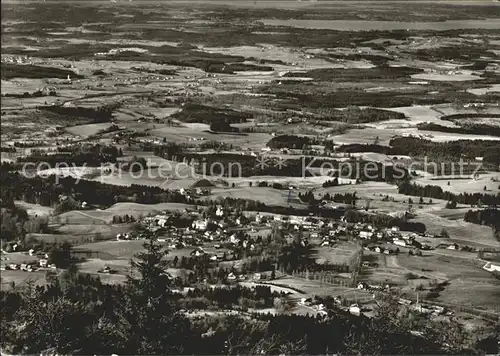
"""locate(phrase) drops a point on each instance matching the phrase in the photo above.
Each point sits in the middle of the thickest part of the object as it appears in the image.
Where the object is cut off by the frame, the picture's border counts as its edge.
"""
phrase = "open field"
(99, 217)
(88, 217)
(98, 231)
(265, 195)
(142, 209)
(105, 217)
(17, 257)
(60, 238)
(21, 278)
(183, 134)
(460, 231)
(384, 135)
(464, 184)
(461, 277)
(125, 250)
(87, 130)
(366, 188)
(35, 209)
(341, 25)
(339, 254)
(112, 250)
(310, 288)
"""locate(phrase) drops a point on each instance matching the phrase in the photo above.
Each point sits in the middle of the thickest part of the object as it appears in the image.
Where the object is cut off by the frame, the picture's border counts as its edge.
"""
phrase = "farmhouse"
(452, 246)
(189, 186)
(198, 252)
(421, 309)
(241, 220)
(354, 309)
(233, 239)
(492, 267)
(202, 186)
(296, 219)
(325, 243)
(364, 234)
(200, 224)
(363, 285)
(404, 301)
(399, 242)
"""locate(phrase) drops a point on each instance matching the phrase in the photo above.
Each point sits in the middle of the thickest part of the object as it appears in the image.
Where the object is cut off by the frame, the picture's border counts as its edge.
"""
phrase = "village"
(250, 177)
(232, 246)
(219, 235)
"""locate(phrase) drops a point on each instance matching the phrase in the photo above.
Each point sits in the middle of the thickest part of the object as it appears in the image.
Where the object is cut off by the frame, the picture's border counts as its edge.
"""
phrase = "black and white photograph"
(250, 177)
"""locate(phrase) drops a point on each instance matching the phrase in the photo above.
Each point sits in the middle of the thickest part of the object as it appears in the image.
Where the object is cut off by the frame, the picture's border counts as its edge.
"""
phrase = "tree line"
(47, 191)
(384, 221)
(436, 192)
(291, 141)
(97, 114)
(488, 217)
(452, 150)
(468, 129)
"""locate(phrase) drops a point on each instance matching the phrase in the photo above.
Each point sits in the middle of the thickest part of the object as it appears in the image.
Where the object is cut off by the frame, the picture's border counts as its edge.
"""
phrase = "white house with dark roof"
(201, 224)
(492, 267)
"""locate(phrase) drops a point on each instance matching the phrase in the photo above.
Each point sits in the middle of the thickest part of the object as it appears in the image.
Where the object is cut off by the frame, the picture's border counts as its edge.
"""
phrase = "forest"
(99, 114)
(74, 155)
(46, 191)
(452, 150)
(488, 217)
(469, 129)
(193, 112)
(12, 70)
(436, 192)
(290, 141)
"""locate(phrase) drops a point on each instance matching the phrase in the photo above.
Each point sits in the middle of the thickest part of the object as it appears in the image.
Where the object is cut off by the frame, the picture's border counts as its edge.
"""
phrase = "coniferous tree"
(150, 317)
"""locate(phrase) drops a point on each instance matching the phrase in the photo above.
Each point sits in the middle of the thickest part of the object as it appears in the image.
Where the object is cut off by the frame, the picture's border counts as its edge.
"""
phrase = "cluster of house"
(16, 59)
(233, 277)
(42, 262)
(382, 249)
(126, 236)
(392, 235)
(449, 246)
(107, 270)
(28, 267)
(417, 135)
(319, 308)
(410, 240)
(329, 237)
(54, 130)
(434, 310)
(353, 308)
(219, 229)
(415, 306)
(372, 287)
